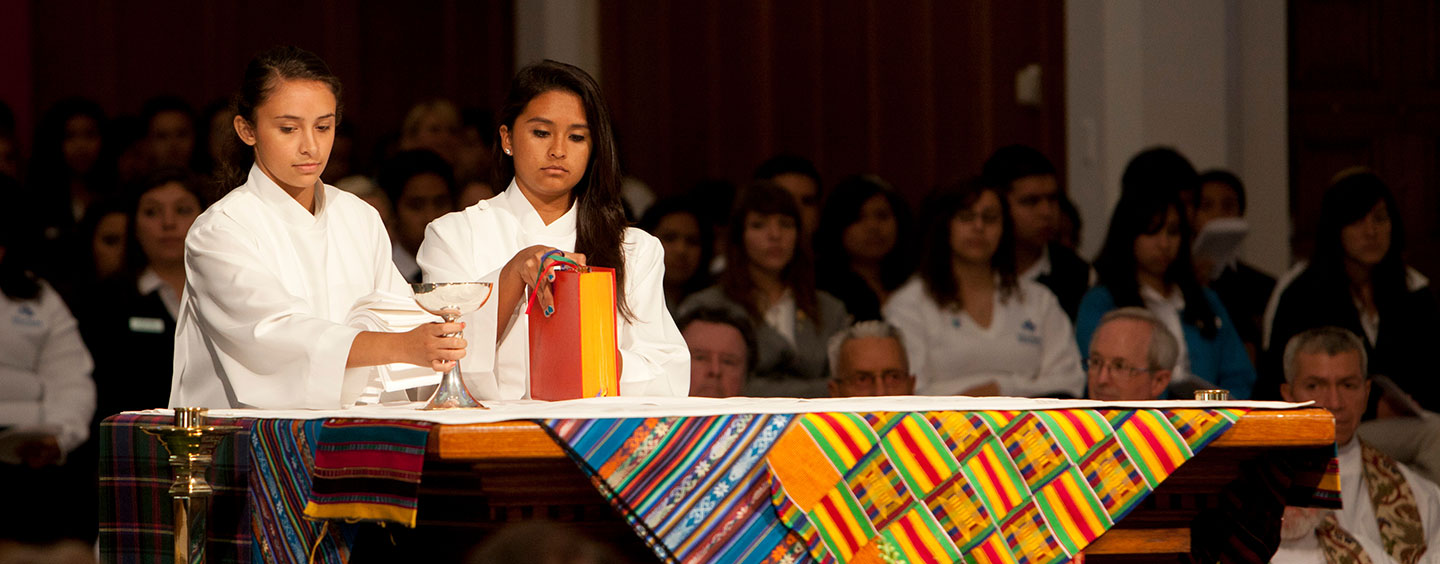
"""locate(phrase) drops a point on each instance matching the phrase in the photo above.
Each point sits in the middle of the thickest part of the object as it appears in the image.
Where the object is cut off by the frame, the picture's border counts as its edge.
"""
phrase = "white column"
(1205, 77)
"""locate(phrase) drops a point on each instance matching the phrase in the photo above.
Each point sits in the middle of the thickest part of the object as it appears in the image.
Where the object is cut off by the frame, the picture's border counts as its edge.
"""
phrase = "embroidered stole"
(1396, 513)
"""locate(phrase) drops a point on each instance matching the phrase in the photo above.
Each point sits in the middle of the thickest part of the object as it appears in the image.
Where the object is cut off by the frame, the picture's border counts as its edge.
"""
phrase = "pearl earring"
(507, 151)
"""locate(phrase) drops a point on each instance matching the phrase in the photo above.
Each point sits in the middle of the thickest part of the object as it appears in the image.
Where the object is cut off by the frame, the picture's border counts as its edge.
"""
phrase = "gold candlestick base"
(190, 443)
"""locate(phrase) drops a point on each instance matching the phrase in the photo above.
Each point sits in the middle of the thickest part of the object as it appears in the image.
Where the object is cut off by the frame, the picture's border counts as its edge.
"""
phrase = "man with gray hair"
(868, 359)
(1130, 356)
(1390, 513)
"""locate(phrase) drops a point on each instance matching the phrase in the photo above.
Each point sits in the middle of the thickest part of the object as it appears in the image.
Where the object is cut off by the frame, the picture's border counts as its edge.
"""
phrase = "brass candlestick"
(190, 443)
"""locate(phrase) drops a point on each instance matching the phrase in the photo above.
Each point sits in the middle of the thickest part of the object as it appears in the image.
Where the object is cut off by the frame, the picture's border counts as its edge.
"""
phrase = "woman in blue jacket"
(1146, 262)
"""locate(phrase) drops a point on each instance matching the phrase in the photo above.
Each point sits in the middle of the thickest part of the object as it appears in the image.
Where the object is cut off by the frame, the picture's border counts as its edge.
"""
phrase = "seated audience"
(1390, 513)
(1357, 279)
(129, 321)
(722, 351)
(46, 401)
(1130, 357)
(1145, 262)
(1241, 287)
(798, 176)
(862, 247)
(420, 185)
(971, 326)
(169, 133)
(770, 279)
(868, 359)
(676, 223)
(1029, 185)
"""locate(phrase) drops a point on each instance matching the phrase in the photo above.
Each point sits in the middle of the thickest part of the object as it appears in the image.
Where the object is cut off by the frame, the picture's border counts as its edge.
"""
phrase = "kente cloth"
(135, 504)
(281, 462)
(1396, 513)
(991, 486)
(368, 470)
(987, 486)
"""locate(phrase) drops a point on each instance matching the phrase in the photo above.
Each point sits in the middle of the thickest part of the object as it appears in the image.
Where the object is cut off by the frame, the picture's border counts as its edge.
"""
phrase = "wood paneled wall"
(918, 92)
(1365, 90)
(388, 54)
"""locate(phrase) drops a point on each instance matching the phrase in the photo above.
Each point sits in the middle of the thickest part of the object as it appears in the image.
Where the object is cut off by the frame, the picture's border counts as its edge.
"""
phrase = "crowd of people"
(160, 259)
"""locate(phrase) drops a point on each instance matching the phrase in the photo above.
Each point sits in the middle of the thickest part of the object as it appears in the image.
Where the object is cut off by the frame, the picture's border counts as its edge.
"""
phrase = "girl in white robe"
(291, 299)
(564, 196)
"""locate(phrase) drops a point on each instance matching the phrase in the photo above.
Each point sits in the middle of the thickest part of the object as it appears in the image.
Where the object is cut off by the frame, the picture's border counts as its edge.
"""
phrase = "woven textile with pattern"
(1033, 487)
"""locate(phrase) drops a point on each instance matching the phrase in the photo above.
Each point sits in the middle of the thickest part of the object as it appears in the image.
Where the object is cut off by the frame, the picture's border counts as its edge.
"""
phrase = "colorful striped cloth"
(694, 488)
(281, 461)
(135, 503)
(262, 476)
(368, 470)
(1033, 487)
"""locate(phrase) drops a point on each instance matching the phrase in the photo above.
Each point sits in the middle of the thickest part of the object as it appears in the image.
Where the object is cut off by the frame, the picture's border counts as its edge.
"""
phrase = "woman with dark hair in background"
(129, 321)
(1145, 262)
(686, 239)
(70, 169)
(289, 282)
(1357, 280)
(863, 244)
(563, 202)
(970, 325)
(101, 238)
(770, 278)
(421, 188)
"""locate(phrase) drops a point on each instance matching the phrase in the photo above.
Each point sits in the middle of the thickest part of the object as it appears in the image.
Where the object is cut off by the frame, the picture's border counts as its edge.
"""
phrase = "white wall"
(564, 30)
(1206, 77)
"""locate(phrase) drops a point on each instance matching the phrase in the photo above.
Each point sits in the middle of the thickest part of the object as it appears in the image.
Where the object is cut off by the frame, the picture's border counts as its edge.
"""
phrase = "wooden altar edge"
(494, 446)
(510, 440)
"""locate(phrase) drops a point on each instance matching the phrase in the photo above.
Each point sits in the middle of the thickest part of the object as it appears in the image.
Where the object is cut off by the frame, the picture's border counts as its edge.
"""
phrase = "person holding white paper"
(562, 205)
(277, 269)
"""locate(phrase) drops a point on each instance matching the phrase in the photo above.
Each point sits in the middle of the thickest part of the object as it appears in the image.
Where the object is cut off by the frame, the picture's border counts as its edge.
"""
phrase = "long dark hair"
(262, 75)
(937, 266)
(1348, 200)
(16, 237)
(49, 173)
(842, 209)
(600, 217)
(1144, 212)
(684, 205)
(767, 198)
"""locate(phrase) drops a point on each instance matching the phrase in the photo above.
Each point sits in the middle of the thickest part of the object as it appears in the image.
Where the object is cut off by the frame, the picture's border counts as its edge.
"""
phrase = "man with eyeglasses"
(868, 359)
(1130, 356)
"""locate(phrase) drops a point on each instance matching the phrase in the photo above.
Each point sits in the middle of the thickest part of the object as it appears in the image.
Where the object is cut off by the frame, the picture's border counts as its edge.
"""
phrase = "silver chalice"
(450, 300)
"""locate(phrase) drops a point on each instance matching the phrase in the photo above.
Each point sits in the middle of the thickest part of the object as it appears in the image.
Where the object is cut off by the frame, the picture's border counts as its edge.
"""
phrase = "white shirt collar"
(149, 282)
(1041, 266)
(514, 200)
(284, 205)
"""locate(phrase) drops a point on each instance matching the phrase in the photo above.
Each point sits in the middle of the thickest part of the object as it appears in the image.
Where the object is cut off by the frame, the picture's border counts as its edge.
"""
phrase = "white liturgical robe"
(269, 288)
(475, 244)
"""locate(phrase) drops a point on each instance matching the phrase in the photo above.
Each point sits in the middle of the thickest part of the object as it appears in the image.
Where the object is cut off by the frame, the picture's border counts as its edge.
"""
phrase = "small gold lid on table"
(1212, 395)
